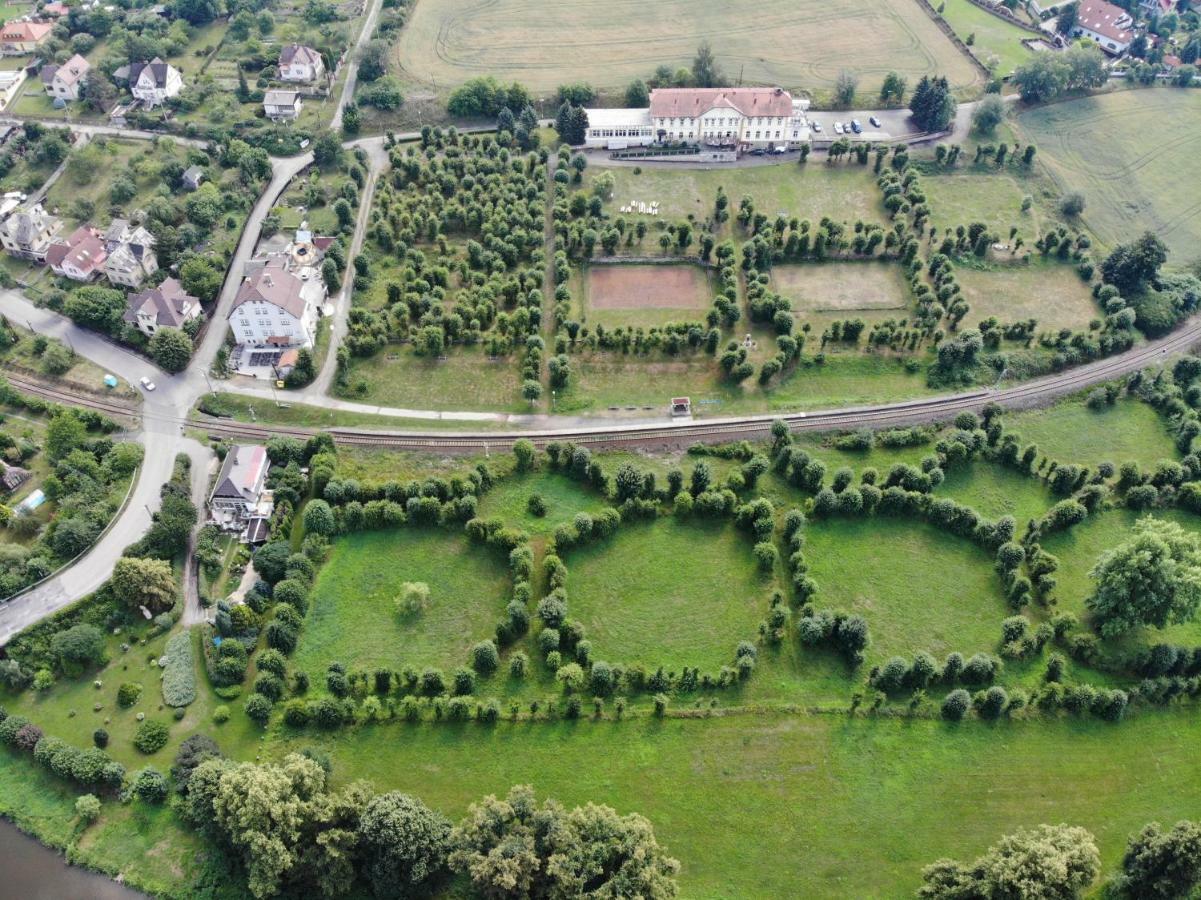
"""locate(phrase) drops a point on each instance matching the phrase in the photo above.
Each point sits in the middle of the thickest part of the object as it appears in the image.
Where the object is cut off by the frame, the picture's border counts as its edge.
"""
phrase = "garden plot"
(645, 296)
(1051, 293)
(822, 292)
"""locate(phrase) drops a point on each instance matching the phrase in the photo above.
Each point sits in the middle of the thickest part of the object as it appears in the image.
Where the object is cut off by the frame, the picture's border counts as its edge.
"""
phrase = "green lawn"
(997, 44)
(352, 618)
(1052, 293)
(842, 192)
(1071, 432)
(564, 498)
(466, 379)
(918, 587)
(822, 292)
(980, 195)
(671, 594)
(994, 490)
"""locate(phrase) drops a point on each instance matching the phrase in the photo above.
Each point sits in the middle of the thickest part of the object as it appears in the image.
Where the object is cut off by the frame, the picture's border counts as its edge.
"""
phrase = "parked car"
(856, 127)
(146, 383)
(875, 122)
(779, 150)
(758, 151)
(838, 128)
(817, 127)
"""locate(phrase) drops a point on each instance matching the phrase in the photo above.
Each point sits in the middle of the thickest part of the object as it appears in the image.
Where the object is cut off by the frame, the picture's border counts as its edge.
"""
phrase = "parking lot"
(894, 123)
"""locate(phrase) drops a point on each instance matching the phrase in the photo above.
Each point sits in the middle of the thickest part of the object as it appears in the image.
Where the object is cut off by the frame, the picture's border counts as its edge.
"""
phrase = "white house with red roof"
(275, 308)
(299, 64)
(715, 117)
(80, 257)
(21, 37)
(1110, 27)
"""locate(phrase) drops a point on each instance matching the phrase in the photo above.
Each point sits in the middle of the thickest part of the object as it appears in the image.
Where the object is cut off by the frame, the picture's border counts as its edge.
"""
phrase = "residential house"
(80, 257)
(281, 104)
(10, 83)
(1110, 27)
(66, 81)
(240, 494)
(28, 233)
(55, 10)
(716, 117)
(299, 64)
(22, 37)
(1154, 8)
(274, 308)
(13, 478)
(192, 177)
(131, 257)
(166, 306)
(153, 83)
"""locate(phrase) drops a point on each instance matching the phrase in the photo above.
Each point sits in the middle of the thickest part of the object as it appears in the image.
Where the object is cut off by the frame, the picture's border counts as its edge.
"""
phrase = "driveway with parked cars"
(861, 124)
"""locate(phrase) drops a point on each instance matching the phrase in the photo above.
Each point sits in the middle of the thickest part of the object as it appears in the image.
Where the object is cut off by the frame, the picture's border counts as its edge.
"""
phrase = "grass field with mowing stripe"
(792, 44)
(1131, 182)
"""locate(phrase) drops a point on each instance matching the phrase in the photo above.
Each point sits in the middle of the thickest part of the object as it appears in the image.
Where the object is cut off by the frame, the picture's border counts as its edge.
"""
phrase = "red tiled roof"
(83, 249)
(23, 32)
(692, 102)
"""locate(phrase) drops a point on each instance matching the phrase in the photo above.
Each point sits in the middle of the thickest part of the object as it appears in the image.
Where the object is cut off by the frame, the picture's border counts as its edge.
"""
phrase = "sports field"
(645, 296)
(1133, 154)
(793, 44)
(1050, 292)
(822, 292)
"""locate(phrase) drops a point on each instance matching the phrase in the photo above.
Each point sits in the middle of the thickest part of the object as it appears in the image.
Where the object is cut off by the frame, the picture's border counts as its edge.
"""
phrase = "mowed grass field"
(997, 43)
(981, 196)
(792, 43)
(842, 192)
(643, 296)
(352, 618)
(672, 594)
(465, 379)
(1133, 154)
(1129, 431)
(1050, 292)
(823, 292)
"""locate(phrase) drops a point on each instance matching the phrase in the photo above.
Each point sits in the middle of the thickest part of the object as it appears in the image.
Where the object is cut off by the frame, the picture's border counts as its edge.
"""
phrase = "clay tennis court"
(648, 287)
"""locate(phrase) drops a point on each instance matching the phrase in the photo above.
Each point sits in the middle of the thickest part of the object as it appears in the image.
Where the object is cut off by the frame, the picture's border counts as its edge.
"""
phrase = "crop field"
(1050, 292)
(997, 43)
(805, 44)
(1128, 152)
(994, 199)
(811, 191)
(644, 296)
(821, 292)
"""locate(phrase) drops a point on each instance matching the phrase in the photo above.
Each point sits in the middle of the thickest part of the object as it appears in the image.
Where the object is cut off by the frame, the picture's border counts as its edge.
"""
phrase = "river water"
(31, 871)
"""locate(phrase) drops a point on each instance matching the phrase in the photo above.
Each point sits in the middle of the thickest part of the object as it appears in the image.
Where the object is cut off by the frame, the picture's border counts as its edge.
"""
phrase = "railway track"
(902, 413)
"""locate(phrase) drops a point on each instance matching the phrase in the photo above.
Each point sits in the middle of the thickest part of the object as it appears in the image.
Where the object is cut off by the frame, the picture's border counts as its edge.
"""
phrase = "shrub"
(179, 677)
(414, 598)
(221, 715)
(536, 505)
(766, 555)
(484, 658)
(518, 664)
(149, 785)
(258, 708)
(129, 693)
(87, 807)
(151, 737)
(100, 738)
(956, 705)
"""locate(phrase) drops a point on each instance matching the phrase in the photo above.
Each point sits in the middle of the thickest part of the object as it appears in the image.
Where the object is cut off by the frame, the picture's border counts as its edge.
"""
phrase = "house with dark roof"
(299, 64)
(131, 258)
(241, 489)
(28, 233)
(166, 306)
(192, 177)
(153, 83)
(80, 257)
(275, 308)
(66, 81)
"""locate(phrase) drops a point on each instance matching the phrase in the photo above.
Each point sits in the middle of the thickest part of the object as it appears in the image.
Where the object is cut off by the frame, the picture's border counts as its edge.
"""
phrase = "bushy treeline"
(91, 768)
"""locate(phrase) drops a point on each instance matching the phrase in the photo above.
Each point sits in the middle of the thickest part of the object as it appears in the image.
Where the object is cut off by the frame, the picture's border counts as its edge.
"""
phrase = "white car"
(147, 384)
(817, 127)
(838, 128)
(875, 122)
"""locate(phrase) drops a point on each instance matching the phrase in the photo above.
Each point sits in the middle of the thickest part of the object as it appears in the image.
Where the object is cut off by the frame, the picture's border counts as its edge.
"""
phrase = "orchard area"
(427, 669)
